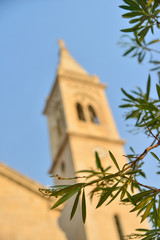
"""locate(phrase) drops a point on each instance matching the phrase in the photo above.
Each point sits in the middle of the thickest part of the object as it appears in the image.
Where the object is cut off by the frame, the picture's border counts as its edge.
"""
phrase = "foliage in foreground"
(143, 17)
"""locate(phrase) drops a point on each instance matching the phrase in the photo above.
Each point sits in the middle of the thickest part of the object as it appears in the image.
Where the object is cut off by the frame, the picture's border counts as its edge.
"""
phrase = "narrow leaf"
(114, 160)
(65, 198)
(147, 211)
(158, 220)
(98, 162)
(136, 27)
(143, 32)
(128, 51)
(143, 5)
(154, 41)
(132, 14)
(156, 2)
(66, 190)
(128, 95)
(130, 198)
(141, 204)
(126, 105)
(132, 150)
(75, 205)
(132, 3)
(83, 207)
(148, 87)
(155, 156)
(106, 195)
(158, 90)
(115, 196)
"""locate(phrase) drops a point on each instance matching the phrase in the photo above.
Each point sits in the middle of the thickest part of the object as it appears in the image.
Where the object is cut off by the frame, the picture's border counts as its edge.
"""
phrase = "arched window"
(80, 112)
(93, 115)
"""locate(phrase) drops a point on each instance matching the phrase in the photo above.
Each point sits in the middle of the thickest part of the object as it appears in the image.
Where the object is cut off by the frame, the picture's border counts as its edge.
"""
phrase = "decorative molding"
(105, 139)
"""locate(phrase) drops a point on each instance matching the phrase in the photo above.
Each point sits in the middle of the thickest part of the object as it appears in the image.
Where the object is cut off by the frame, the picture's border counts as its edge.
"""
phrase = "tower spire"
(67, 62)
(61, 44)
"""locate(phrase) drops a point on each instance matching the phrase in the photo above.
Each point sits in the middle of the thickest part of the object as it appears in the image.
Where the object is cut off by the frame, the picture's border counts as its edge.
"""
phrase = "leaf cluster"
(107, 186)
(143, 15)
(140, 49)
(144, 109)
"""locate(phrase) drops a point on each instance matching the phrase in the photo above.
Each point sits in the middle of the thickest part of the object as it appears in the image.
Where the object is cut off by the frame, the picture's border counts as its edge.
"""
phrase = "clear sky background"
(29, 30)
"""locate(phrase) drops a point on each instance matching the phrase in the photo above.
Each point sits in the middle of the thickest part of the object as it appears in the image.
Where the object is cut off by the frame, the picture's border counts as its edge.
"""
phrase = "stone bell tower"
(80, 122)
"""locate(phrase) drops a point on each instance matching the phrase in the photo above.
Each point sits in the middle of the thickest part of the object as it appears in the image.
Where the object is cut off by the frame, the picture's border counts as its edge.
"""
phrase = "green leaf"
(133, 114)
(133, 29)
(132, 150)
(147, 107)
(143, 5)
(128, 95)
(142, 229)
(154, 41)
(126, 105)
(132, 3)
(65, 198)
(155, 214)
(66, 189)
(143, 32)
(85, 171)
(60, 186)
(158, 90)
(127, 7)
(143, 174)
(115, 196)
(141, 204)
(83, 206)
(148, 87)
(75, 205)
(155, 62)
(147, 211)
(141, 56)
(98, 162)
(155, 156)
(158, 220)
(124, 189)
(114, 160)
(154, 69)
(155, 5)
(130, 198)
(132, 14)
(128, 51)
(106, 195)
(135, 20)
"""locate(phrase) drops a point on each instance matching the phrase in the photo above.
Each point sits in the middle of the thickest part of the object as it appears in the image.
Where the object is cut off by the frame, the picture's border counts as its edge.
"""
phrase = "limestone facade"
(25, 213)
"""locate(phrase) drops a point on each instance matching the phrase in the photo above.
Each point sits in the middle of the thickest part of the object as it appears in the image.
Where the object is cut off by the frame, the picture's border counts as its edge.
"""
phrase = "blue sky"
(29, 31)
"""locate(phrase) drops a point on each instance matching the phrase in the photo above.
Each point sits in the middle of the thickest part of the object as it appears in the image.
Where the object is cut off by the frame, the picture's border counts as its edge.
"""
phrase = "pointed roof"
(67, 62)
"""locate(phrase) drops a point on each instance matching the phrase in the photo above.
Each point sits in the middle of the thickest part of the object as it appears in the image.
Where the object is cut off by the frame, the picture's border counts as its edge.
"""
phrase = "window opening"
(119, 228)
(80, 112)
(93, 115)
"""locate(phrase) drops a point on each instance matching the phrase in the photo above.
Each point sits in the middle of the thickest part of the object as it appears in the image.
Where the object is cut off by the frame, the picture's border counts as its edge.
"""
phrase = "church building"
(80, 122)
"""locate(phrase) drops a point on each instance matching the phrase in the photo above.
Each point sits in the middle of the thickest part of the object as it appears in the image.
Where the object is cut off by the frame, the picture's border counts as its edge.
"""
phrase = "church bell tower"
(80, 122)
